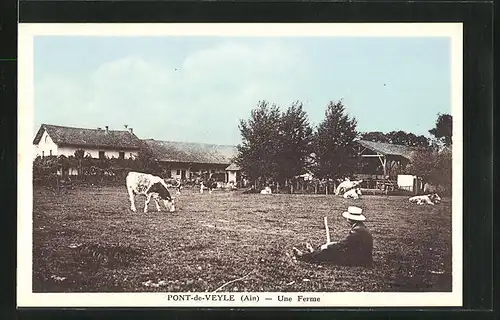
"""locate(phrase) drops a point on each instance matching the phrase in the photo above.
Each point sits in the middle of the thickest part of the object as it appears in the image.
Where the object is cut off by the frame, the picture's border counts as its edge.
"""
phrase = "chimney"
(131, 130)
(107, 129)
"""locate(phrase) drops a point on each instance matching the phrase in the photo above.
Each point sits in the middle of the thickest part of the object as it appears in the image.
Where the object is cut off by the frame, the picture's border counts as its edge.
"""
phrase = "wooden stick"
(233, 281)
(327, 231)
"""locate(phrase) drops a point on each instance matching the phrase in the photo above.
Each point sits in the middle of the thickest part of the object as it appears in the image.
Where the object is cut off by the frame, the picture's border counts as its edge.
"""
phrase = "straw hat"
(354, 213)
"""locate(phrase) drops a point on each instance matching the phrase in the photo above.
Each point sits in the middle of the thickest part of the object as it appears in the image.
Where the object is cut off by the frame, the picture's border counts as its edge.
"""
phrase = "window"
(101, 154)
(121, 155)
(131, 155)
(50, 152)
(43, 153)
(178, 172)
(46, 138)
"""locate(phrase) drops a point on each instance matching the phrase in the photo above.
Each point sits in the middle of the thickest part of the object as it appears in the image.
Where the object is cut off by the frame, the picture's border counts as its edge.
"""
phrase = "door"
(183, 174)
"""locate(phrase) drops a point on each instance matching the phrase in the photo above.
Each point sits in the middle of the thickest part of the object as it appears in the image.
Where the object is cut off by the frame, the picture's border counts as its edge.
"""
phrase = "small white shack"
(409, 183)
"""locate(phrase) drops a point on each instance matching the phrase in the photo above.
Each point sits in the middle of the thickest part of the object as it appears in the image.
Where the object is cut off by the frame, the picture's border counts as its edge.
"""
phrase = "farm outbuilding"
(233, 173)
(381, 163)
(188, 159)
(384, 158)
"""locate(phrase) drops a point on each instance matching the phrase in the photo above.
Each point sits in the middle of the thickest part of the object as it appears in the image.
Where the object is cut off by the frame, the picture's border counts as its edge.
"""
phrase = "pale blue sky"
(196, 88)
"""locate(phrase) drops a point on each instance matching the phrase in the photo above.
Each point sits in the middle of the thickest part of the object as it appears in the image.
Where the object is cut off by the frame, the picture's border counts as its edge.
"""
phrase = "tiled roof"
(189, 152)
(89, 137)
(388, 149)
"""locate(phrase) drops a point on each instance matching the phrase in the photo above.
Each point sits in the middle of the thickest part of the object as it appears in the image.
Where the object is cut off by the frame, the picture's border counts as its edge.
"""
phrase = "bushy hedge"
(52, 169)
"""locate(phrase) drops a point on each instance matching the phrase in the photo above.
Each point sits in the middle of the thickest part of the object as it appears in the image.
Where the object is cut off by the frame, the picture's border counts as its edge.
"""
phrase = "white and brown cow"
(346, 186)
(426, 199)
(353, 194)
(150, 186)
(209, 184)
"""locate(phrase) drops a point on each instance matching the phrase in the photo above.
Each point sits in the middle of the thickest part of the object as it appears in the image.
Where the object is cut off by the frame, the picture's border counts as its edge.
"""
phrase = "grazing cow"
(346, 186)
(210, 185)
(426, 199)
(175, 184)
(150, 186)
(353, 194)
(266, 190)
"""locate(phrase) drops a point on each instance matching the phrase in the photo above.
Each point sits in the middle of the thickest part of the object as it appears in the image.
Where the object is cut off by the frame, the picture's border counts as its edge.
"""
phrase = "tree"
(396, 137)
(147, 162)
(295, 143)
(407, 139)
(433, 166)
(335, 149)
(257, 154)
(443, 130)
(375, 136)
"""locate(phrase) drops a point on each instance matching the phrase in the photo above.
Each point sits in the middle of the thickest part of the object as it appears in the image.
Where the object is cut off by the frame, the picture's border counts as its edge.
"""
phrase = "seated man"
(355, 249)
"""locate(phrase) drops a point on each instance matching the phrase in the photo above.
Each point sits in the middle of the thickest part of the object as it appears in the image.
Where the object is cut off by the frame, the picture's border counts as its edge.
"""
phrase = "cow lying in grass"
(353, 194)
(150, 186)
(266, 190)
(426, 199)
(346, 186)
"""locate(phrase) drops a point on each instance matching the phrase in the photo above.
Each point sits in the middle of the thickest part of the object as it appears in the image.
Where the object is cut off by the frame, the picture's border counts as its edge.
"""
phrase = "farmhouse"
(189, 159)
(52, 140)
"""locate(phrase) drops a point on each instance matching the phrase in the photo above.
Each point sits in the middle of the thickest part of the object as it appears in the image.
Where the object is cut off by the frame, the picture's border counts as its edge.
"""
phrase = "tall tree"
(295, 147)
(258, 151)
(407, 139)
(434, 166)
(335, 149)
(375, 136)
(443, 130)
(396, 137)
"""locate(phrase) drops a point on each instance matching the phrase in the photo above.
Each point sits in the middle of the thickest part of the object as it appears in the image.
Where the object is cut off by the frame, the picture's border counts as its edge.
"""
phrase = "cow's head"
(170, 203)
(435, 198)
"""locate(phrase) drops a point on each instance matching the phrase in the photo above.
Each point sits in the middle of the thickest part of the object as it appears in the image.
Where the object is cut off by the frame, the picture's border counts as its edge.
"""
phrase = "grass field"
(87, 240)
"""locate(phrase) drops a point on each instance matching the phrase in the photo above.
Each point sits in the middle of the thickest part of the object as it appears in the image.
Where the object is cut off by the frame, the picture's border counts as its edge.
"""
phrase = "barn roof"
(233, 167)
(388, 149)
(190, 152)
(84, 137)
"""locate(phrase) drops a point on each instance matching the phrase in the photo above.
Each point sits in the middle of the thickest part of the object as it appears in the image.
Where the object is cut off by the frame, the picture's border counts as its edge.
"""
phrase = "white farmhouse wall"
(176, 172)
(231, 176)
(94, 153)
(46, 146)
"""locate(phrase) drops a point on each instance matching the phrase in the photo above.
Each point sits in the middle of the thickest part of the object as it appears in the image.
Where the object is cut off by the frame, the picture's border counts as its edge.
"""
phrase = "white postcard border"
(26, 34)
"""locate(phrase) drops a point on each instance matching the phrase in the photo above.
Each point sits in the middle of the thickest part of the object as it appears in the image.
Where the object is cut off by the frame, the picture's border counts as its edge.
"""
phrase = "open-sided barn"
(381, 163)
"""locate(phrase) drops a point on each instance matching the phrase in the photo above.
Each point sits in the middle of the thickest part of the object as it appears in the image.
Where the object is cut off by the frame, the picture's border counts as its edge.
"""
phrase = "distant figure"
(355, 249)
